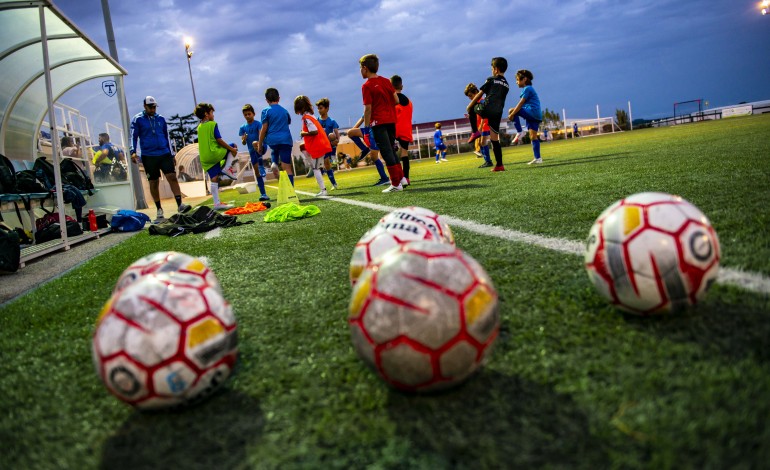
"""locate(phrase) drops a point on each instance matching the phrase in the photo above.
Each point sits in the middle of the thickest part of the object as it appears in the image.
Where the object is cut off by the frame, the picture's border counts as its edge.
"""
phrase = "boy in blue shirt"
(438, 142)
(330, 128)
(249, 133)
(275, 132)
(527, 108)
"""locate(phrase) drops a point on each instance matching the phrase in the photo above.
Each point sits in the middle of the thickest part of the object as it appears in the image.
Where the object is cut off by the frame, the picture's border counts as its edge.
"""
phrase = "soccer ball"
(164, 262)
(652, 253)
(165, 340)
(424, 316)
(427, 217)
(382, 238)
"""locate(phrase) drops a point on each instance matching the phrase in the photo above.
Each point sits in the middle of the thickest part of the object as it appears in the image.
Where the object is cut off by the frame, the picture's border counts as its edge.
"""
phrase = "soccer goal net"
(591, 127)
(688, 111)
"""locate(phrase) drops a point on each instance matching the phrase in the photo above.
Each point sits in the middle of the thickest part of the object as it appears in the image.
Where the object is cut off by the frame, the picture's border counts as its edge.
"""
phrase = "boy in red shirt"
(380, 100)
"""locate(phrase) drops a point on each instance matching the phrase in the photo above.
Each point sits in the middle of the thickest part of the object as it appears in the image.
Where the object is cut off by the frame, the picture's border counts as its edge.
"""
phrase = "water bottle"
(92, 220)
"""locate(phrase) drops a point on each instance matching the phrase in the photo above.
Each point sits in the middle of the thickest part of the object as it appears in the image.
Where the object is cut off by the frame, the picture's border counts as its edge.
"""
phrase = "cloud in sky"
(582, 52)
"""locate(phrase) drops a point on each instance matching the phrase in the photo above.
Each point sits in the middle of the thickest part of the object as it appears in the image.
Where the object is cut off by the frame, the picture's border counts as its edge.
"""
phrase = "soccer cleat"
(486, 165)
(404, 181)
(184, 208)
(228, 175)
(222, 207)
(393, 189)
(444, 159)
(478, 154)
(437, 161)
(498, 168)
(537, 161)
(321, 193)
(231, 172)
(516, 138)
(474, 136)
(381, 182)
(159, 218)
(334, 186)
(264, 197)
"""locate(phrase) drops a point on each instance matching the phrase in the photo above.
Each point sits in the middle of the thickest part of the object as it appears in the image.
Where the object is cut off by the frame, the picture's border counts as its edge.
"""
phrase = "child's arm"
(262, 134)
(475, 100)
(222, 143)
(308, 132)
(244, 135)
(359, 122)
(367, 115)
(512, 112)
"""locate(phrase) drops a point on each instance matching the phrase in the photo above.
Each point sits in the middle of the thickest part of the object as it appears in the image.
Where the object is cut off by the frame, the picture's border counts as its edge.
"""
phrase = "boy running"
(496, 89)
(331, 128)
(213, 150)
(249, 133)
(275, 133)
(438, 142)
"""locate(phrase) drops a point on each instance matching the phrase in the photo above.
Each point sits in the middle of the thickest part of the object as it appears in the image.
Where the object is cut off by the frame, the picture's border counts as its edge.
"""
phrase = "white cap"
(150, 100)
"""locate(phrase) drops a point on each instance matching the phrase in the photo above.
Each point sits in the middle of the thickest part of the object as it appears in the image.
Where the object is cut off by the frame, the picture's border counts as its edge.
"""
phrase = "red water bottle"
(92, 220)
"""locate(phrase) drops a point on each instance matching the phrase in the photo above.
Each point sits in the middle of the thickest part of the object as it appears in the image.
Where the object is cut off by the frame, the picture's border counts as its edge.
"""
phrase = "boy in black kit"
(496, 89)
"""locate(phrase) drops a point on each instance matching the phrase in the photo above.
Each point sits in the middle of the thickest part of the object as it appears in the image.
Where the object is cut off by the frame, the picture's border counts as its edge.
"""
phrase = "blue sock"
(443, 155)
(485, 152)
(380, 169)
(261, 184)
(291, 178)
(516, 123)
(536, 148)
(359, 143)
(330, 174)
(437, 155)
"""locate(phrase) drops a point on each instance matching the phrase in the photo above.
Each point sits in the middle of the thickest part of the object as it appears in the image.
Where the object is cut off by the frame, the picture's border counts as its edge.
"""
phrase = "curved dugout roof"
(73, 59)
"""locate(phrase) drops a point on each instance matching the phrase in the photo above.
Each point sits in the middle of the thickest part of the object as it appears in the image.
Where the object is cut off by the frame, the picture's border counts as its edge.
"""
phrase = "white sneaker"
(437, 161)
(536, 161)
(516, 138)
(321, 193)
(404, 181)
(222, 207)
(444, 160)
(478, 154)
(334, 186)
(393, 189)
(230, 172)
(159, 218)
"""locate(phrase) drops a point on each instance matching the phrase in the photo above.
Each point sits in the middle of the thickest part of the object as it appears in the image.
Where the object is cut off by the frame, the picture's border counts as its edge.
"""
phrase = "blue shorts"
(484, 133)
(281, 154)
(369, 139)
(215, 170)
(256, 157)
(532, 123)
(440, 147)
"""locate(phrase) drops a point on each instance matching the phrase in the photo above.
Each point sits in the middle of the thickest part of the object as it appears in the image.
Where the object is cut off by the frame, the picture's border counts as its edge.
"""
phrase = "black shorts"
(154, 165)
(385, 136)
(404, 144)
(494, 122)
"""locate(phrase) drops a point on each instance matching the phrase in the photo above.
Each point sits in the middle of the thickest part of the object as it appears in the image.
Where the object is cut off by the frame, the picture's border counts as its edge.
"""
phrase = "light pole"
(189, 53)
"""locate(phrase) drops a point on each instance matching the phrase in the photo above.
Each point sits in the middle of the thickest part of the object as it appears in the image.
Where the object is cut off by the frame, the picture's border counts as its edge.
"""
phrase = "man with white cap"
(150, 130)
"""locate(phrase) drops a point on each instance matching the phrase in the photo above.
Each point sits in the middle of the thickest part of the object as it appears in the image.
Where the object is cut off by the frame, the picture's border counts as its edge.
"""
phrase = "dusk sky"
(581, 52)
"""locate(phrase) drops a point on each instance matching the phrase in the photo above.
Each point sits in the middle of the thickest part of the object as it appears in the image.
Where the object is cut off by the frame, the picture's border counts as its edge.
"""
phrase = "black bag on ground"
(7, 176)
(10, 249)
(71, 173)
(44, 172)
(26, 182)
(200, 220)
(52, 232)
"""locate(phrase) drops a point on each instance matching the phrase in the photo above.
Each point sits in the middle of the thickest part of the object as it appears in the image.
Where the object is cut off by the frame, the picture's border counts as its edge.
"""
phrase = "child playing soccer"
(483, 126)
(403, 124)
(380, 100)
(357, 134)
(275, 132)
(332, 131)
(438, 142)
(495, 89)
(527, 108)
(215, 153)
(316, 143)
(249, 133)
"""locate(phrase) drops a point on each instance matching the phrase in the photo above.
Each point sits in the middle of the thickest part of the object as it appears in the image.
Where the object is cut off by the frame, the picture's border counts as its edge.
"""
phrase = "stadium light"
(765, 7)
(189, 54)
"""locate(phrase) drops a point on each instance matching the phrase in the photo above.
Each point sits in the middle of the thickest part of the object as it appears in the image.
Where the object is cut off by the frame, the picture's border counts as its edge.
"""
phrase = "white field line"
(754, 282)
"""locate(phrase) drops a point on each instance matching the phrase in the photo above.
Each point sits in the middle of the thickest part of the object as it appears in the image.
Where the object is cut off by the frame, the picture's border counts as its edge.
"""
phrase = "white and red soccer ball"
(165, 340)
(652, 253)
(405, 225)
(164, 262)
(424, 316)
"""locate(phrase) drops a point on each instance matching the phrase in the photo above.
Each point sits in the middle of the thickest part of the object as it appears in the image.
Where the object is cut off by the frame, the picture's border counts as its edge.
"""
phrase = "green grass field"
(572, 383)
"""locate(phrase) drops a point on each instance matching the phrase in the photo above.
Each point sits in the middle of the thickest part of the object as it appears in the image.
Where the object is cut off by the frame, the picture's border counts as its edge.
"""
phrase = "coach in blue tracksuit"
(150, 130)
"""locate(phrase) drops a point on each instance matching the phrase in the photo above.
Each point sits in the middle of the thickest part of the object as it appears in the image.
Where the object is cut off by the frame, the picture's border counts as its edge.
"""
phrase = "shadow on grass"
(497, 421)
(419, 189)
(579, 161)
(730, 328)
(213, 434)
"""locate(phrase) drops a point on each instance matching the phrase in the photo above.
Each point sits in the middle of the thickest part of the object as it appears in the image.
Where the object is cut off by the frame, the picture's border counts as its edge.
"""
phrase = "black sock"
(157, 204)
(405, 166)
(472, 119)
(178, 200)
(498, 153)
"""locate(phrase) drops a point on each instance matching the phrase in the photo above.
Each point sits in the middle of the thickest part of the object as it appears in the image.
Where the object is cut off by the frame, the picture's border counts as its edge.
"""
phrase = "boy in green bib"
(217, 157)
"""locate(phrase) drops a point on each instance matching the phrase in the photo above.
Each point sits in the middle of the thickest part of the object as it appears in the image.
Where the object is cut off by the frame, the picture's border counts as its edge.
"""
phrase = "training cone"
(286, 192)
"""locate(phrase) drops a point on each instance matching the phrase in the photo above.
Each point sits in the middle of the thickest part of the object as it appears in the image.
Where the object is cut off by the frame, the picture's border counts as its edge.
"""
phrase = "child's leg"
(327, 162)
(496, 149)
(438, 154)
(214, 186)
(533, 126)
(485, 149)
(355, 135)
(472, 117)
(384, 136)
(405, 162)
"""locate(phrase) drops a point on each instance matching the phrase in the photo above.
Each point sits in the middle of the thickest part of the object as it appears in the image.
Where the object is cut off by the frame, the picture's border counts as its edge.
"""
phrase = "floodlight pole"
(189, 54)
(630, 118)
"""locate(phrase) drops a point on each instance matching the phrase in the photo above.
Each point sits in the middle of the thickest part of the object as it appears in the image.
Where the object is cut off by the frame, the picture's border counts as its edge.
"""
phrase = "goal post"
(688, 111)
(594, 126)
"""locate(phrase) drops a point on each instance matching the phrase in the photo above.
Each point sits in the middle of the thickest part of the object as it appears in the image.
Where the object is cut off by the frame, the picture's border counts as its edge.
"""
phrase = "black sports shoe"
(381, 182)
(486, 165)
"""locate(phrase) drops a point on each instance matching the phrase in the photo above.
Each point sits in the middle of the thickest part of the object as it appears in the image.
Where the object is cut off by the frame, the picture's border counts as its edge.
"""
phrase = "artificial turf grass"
(571, 382)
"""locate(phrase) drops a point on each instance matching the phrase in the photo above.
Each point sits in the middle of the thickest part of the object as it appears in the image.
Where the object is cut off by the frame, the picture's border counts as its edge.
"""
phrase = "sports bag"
(26, 182)
(7, 176)
(71, 173)
(53, 231)
(10, 249)
(50, 218)
(128, 221)
(44, 172)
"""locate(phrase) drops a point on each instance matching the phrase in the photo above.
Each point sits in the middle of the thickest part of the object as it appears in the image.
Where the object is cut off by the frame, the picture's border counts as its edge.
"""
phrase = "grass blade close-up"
(572, 382)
